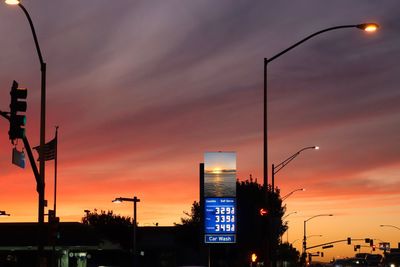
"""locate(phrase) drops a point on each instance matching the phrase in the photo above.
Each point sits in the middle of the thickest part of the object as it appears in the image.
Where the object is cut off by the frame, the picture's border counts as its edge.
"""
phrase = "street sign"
(18, 158)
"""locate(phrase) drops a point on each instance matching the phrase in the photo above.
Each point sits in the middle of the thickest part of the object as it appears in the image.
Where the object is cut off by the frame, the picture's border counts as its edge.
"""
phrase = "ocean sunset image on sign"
(220, 174)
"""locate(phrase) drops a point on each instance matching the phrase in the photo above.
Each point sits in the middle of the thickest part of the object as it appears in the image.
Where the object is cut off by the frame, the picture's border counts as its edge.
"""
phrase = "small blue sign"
(220, 239)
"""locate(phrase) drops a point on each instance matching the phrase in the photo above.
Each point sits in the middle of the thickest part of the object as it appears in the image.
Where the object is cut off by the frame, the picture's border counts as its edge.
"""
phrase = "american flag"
(50, 150)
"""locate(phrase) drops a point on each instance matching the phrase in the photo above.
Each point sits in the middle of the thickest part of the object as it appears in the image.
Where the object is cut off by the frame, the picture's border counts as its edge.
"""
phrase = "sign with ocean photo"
(219, 197)
(220, 174)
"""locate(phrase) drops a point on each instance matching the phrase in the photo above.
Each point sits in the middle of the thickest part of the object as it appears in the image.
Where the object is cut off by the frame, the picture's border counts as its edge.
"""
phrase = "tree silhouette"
(105, 218)
(288, 253)
(255, 233)
(194, 217)
(110, 226)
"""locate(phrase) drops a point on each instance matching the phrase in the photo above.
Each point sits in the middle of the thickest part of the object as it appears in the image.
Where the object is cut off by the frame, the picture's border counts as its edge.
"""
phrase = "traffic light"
(253, 257)
(18, 104)
(263, 212)
(52, 216)
(349, 241)
(371, 242)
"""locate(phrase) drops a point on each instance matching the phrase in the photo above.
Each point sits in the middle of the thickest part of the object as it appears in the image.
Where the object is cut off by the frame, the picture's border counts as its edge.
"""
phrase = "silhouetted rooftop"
(26, 234)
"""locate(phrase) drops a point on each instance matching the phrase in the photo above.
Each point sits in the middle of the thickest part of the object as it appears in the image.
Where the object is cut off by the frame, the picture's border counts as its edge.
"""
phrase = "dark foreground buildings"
(80, 245)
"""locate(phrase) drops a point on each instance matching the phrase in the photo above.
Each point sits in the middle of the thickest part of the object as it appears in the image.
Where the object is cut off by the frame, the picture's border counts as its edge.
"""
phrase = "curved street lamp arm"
(294, 212)
(319, 215)
(280, 166)
(291, 193)
(34, 35)
(389, 225)
(309, 37)
(121, 199)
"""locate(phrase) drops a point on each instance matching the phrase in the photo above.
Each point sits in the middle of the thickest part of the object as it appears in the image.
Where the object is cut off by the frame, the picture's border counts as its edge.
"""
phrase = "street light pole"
(135, 200)
(134, 221)
(369, 27)
(305, 223)
(41, 185)
(280, 166)
(287, 230)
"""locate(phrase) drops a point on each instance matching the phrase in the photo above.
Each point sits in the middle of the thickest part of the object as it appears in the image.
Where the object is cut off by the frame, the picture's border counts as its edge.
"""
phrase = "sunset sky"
(142, 88)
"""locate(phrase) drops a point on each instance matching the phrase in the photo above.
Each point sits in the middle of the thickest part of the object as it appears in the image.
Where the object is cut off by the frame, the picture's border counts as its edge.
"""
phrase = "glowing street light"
(368, 27)
(280, 166)
(134, 200)
(12, 2)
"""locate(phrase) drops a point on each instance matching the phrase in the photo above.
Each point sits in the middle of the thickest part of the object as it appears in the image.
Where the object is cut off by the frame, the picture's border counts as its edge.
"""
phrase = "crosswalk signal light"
(18, 105)
(253, 257)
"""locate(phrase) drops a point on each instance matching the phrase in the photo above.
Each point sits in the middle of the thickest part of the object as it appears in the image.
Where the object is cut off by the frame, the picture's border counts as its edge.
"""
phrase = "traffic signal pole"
(337, 241)
(329, 243)
(40, 186)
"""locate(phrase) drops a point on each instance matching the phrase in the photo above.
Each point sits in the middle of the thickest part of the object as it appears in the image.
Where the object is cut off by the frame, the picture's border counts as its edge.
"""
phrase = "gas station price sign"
(219, 197)
(220, 220)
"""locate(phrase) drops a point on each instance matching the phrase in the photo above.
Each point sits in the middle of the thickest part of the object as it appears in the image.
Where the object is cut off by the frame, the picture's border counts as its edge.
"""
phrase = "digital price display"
(220, 220)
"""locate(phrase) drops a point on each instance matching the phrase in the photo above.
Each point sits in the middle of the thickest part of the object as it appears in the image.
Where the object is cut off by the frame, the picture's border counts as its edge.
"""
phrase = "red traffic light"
(263, 212)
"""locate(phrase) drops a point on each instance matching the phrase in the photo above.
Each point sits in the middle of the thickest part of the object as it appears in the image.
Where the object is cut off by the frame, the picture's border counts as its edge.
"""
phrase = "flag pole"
(53, 254)
(55, 172)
